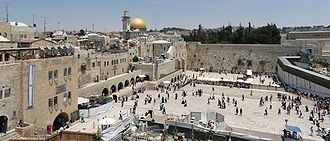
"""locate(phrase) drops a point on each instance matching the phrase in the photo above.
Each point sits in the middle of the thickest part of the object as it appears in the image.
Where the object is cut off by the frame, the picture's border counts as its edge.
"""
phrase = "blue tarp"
(293, 128)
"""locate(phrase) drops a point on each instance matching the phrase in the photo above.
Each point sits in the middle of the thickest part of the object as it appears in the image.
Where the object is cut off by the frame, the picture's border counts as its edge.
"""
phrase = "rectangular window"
(65, 71)
(69, 71)
(50, 102)
(93, 64)
(114, 72)
(7, 92)
(55, 100)
(65, 96)
(1, 94)
(55, 73)
(69, 95)
(105, 63)
(99, 63)
(50, 75)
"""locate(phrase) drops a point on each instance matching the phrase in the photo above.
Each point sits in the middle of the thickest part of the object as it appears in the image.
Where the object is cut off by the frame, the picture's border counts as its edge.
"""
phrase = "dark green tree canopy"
(268, 34)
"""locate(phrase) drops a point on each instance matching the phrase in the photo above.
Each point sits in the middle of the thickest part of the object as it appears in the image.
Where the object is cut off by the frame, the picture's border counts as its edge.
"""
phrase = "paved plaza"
(253, 118)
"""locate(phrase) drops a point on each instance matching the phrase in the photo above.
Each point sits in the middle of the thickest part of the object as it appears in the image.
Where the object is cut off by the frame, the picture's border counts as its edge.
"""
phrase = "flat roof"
(18, 49)
(305, 32)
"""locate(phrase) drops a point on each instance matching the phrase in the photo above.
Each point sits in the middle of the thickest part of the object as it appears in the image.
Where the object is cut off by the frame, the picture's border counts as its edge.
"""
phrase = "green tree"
(135, 59)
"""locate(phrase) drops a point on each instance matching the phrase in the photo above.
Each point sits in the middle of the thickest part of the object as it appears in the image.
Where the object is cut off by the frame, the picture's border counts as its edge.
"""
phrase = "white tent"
(82, 100)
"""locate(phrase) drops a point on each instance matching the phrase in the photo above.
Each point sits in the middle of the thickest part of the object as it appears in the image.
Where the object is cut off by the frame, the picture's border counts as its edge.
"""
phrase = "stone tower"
(126, 21)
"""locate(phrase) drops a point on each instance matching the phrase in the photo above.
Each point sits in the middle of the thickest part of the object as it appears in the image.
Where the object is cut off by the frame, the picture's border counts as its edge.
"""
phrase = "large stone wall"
(227, 56)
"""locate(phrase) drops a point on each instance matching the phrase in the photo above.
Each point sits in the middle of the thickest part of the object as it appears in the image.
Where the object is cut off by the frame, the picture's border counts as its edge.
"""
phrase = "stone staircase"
(9, 136)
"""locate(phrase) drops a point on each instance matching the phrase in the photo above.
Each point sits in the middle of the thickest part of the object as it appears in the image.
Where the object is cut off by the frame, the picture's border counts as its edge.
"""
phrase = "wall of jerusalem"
(258, 57)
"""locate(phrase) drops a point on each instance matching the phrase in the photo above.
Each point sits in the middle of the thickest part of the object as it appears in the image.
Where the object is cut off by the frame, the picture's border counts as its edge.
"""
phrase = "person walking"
(236, 111)
(266, 112)
(241, 111)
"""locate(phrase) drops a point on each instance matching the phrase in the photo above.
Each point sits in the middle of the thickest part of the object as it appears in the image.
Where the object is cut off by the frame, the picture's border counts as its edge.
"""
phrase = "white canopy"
(166, 82)
(248, 72)
(142, 76)
(82, 100)
(107, 121)
(202, 69)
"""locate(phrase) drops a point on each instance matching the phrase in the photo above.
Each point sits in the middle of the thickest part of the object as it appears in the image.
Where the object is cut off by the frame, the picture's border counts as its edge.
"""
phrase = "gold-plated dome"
(138, 23)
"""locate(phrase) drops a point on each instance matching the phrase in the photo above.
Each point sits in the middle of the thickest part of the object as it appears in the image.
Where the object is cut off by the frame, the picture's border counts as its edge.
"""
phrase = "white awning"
(202, 69)
(166, 82)
(82, 100)
(142, 76)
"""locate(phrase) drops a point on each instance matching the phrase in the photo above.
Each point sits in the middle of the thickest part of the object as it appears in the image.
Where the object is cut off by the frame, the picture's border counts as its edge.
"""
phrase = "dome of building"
(138, 23)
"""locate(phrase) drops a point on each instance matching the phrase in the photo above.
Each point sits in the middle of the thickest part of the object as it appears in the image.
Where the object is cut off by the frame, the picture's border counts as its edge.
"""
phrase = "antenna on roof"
(45, 22)
(7, 14)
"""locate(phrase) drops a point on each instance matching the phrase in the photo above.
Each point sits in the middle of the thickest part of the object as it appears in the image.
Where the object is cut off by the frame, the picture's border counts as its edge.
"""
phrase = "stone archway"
(137, 79)
(132, 81)
(60, 121)
(105, 92)
(147, 78)
(3, 124)
(113, 89)
(126, 83)
(120, 86)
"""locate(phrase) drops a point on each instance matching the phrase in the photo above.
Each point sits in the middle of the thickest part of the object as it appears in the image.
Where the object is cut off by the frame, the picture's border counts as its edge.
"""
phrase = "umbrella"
(107, 121)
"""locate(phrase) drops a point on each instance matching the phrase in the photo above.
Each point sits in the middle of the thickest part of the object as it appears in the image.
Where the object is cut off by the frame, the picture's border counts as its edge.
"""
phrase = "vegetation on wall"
(268, 34)
(135, 59)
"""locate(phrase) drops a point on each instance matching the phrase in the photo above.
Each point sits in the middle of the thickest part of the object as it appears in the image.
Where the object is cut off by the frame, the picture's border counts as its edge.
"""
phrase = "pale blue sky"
(106, 14)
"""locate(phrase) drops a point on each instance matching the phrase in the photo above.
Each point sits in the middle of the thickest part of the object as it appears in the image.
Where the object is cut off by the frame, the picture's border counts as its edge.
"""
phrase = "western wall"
(258, 57)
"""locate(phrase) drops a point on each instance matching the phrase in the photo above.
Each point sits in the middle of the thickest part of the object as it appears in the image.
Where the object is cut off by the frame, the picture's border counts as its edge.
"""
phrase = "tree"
(249, 63)
(262, 64)
(81, 32)
(135, 59)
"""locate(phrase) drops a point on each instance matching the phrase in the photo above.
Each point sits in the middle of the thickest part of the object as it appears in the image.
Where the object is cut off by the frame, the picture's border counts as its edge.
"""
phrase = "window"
(93, 64)
(69, 95)
(114, 72)
(7, 93)
(111, 62)
(1, 95)
(123, 69)
(50, 102)
(99, 63)
(69, 70)
(105, 63)
(50, 75)
(65, 97)
(55, 73)
(65, 71)
(55, 100)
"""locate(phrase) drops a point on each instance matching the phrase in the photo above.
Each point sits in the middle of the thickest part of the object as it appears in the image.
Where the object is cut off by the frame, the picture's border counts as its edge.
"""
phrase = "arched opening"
(120, 86)
(105, 92)
(147, 78)
(138, 79)
(115, 98)
(126, 83)
(178, 78)
(60, 121)
(3, 124)
(132, 80)
(113, 88)
(172, 80)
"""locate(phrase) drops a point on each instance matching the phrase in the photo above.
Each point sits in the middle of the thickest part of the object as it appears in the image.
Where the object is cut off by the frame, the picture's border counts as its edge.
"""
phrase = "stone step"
(9, 136)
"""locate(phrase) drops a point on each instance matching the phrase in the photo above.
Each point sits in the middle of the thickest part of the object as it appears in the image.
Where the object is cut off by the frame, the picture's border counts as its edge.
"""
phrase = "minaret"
(126, 20)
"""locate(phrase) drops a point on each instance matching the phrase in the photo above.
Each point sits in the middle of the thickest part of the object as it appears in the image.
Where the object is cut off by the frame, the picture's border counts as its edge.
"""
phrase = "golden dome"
(138, 23)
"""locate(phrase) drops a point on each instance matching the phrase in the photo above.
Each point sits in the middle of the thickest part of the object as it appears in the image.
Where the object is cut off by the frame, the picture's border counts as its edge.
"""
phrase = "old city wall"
(229, 56)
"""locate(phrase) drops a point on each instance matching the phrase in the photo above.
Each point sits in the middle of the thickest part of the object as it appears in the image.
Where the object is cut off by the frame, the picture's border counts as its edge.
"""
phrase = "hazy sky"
(106, 14)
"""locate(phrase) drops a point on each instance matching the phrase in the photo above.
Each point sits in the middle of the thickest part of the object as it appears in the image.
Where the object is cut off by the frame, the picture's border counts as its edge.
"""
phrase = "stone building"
(15, 31)
(42, 92)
